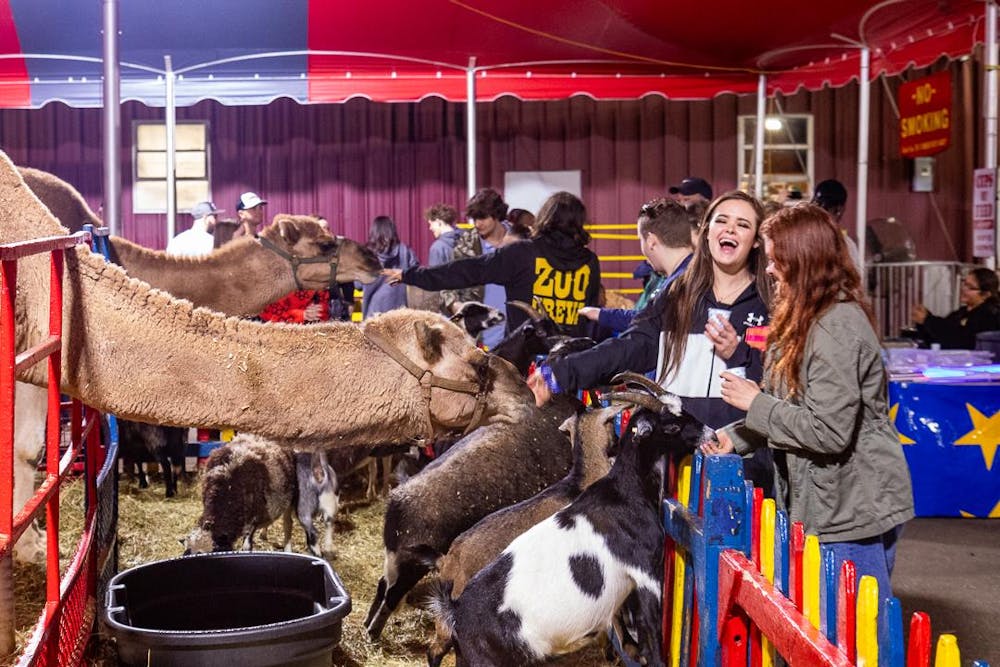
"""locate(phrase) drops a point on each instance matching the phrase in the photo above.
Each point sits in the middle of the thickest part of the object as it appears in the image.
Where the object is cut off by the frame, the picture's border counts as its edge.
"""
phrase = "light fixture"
(772, 124)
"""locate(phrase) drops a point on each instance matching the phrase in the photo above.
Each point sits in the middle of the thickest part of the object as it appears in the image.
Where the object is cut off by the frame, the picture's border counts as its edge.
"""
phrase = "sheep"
(592, 434)
(493, 467)
(318, 491)
(138, 442)
(249, 483)
(562, 582)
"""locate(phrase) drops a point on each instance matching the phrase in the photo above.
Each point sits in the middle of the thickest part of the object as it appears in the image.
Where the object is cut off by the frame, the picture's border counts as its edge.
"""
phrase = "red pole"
(8, 290)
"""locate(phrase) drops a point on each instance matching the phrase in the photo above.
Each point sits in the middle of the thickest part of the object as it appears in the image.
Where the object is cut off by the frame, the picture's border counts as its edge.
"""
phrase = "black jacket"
(958, 330)
(553, 270)
(697, 382)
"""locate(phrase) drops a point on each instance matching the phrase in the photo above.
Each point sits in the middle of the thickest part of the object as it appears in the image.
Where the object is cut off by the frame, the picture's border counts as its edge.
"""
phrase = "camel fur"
(138, 353)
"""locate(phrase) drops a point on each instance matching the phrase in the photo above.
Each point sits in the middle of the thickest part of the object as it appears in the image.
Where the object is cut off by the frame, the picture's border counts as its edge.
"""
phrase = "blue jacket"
(380, 297)
(620, 319)
(443, 247)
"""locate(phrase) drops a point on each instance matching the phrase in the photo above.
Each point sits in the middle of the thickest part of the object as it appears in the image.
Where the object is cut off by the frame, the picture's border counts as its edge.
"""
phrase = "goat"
(138, 442)
(476, 317)
(592, 434)
(535, 336)
(562, 582)
(249, 482)
(318, 491)
(493, 467)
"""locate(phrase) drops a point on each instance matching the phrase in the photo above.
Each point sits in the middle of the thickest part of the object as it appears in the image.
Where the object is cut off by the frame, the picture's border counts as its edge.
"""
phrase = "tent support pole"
(171, 123)
(112, 120)
(990, 109)
(864, 103)
(758, 138)
(470, 127)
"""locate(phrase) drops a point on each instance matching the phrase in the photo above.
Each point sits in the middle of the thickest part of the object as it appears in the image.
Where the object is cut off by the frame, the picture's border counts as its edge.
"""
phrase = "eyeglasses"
(973, 287)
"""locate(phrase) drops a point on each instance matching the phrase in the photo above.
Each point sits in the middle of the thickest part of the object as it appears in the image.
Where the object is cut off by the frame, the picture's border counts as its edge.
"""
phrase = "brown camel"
(239, 279)
(136, 352)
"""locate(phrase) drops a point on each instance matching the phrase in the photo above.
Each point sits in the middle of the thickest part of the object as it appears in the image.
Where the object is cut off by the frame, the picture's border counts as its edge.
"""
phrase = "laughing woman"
(702, 317)
(823, 409)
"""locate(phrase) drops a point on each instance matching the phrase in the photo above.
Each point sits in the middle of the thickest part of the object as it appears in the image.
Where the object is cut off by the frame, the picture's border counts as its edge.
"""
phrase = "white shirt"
(192, 243)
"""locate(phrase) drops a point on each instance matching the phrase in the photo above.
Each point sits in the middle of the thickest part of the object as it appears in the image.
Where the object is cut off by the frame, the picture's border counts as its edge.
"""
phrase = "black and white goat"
(592, 434)
(559, 585)
(476, 317)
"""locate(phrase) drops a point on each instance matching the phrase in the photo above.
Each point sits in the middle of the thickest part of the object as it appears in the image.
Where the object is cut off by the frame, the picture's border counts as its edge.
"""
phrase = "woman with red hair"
(823, 410)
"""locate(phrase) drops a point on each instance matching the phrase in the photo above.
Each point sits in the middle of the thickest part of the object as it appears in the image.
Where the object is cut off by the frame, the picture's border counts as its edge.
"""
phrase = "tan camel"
(136, 352)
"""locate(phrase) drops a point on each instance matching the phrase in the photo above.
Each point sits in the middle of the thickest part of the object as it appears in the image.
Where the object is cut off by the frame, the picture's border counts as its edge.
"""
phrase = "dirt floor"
(949, 568)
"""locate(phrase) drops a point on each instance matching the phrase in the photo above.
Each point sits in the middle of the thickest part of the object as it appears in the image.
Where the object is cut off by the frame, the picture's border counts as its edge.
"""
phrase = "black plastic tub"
(237, 609)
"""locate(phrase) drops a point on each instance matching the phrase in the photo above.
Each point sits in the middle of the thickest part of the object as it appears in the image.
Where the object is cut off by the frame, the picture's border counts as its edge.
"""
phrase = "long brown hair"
(699, 279)
(809, 250)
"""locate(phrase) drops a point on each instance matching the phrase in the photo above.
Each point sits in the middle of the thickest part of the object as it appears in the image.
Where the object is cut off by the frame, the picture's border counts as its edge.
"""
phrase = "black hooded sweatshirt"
(553, 271)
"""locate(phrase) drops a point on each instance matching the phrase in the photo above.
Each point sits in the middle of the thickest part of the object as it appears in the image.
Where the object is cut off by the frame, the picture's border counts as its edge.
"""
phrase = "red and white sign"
(984, 212)
(925, 115)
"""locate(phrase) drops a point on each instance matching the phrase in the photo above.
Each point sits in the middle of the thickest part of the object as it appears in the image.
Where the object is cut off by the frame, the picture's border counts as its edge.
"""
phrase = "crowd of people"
(757, 318)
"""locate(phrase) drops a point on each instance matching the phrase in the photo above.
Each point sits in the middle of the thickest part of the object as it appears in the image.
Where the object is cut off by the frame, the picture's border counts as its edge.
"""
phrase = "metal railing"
(894, 287)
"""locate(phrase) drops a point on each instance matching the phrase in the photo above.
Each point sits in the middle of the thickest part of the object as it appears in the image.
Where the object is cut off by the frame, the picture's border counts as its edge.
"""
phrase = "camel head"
(302, 236)
(432, 342)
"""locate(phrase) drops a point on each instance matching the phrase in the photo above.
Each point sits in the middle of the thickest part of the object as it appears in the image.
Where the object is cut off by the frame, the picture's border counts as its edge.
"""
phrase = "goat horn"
(532, 313)
(636, 398)
(633, 378)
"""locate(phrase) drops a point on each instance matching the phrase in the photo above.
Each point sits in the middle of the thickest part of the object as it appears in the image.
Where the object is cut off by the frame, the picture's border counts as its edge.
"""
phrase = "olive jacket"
(839, 463)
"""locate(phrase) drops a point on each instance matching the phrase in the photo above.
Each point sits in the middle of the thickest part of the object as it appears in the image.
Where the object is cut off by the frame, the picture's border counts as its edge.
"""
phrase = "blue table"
(950, 434)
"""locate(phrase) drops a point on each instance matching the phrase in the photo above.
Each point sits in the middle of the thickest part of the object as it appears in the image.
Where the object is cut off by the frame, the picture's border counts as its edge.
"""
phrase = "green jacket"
(468, 245)
(846, 478)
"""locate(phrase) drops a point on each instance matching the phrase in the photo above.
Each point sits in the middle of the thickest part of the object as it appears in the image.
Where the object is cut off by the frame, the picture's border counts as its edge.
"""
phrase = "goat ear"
(569, 426)
(288, 231)
(430, 340)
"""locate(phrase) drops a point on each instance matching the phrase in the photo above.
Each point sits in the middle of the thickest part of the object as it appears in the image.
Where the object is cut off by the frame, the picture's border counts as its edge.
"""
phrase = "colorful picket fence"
(743, 587)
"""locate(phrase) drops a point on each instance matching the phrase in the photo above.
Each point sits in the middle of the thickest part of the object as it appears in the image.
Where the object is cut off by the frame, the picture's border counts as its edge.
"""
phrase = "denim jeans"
(874, 556)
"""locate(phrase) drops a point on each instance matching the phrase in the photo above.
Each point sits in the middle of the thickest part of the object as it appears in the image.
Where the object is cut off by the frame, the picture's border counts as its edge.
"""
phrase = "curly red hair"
(809, 250)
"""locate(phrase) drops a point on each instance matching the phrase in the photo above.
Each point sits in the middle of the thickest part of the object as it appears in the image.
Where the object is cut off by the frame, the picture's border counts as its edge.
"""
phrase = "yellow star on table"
(994, 513)
(985, 434)
(893, 411)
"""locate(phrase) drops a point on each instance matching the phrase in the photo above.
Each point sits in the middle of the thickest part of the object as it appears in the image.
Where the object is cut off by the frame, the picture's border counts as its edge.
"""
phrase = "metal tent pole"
(470, 126)
(112, 120)
(990, 107)
(758, 139)
(864, 102)
(171, 123)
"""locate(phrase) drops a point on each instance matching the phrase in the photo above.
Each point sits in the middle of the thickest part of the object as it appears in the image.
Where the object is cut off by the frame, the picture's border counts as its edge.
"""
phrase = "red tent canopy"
(251, 51)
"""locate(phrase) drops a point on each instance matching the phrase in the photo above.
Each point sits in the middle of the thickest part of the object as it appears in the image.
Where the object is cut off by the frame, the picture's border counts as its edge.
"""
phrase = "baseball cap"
(829, 194)
(249, 200)
(201, 209)
(695, 186)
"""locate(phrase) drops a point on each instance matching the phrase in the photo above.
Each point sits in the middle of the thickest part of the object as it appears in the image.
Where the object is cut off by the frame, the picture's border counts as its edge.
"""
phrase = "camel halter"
(297, 261)
(428, 380)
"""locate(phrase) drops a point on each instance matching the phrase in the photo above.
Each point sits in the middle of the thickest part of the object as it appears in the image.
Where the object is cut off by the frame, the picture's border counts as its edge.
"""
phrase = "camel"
(136, 352)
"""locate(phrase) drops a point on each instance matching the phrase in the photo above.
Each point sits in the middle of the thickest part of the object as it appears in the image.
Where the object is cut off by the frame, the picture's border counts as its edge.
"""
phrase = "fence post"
(8, 285)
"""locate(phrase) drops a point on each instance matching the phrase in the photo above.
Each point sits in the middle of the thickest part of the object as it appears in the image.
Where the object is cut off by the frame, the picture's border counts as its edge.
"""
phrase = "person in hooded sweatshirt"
(381, 296)
(553, 269)
(442, 220)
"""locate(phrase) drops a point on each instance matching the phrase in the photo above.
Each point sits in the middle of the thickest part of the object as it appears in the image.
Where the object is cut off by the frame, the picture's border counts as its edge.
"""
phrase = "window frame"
(745, 148)
(139, 205)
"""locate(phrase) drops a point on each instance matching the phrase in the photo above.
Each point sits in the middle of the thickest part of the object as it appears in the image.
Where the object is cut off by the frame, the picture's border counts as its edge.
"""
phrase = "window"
(788, 155)
(192, 182)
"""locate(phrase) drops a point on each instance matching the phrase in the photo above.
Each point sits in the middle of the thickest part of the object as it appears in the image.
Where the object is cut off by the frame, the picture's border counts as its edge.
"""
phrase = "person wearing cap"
(198, 240)
(831, 196)
(250, 211)
(692, 190)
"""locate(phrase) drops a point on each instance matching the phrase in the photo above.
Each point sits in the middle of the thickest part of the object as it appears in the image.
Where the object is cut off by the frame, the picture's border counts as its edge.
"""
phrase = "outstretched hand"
(393, 276)
(538, 387)
(722, 445)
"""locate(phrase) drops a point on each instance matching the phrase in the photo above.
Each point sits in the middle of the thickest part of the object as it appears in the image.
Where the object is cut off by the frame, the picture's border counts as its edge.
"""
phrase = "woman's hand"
(723, 444)
(536, 383)
(393, 276)
(312, 312)
(919, 313)
(723, 336)
(590, 312)
(738, 392)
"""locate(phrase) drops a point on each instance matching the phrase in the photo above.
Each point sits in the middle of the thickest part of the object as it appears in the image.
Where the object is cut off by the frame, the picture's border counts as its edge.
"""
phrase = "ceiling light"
(772, 124)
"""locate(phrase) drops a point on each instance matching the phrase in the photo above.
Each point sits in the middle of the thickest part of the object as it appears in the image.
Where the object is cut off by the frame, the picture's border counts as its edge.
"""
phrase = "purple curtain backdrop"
(359, 159)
